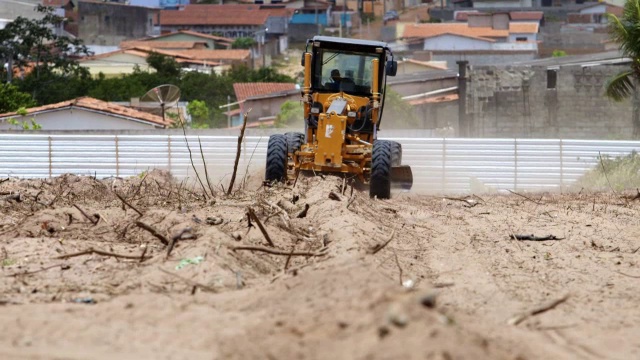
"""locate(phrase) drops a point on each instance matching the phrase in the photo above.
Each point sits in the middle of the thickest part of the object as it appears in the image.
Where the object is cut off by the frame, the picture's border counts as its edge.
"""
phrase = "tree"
(243, 43)
(291, 112)
(199, 114)
(36, 43)
(164, 65)
(625, 31)
(12, 99)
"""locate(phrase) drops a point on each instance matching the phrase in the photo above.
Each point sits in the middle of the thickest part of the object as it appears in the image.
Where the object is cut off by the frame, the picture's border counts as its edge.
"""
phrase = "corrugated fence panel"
(439, 165)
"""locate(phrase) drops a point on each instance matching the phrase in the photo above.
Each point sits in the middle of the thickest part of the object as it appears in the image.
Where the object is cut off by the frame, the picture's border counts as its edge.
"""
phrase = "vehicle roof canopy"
(350, 44)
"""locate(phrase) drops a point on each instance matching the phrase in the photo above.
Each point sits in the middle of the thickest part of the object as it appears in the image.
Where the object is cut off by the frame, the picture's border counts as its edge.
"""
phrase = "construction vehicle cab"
(343, 97)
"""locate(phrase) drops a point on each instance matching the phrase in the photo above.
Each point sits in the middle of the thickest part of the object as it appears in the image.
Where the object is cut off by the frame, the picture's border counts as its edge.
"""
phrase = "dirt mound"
(151, 267)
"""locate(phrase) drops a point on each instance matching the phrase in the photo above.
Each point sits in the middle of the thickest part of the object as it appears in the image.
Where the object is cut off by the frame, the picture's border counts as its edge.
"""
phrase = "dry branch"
(189, 281)
(239, 149)
(539, 310)
(93, 220)
(377, 247)
(13, 197)
(24, 273)
(254, 217)
(153, 232)
(175, 238)
(469, 202)
(534, 238)
(335, 196)
(279, 252)
(129, 205)
(90, 251)
(526, 197)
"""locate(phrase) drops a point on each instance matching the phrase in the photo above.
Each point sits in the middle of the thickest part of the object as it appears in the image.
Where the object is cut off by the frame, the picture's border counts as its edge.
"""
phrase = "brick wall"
(516, 102)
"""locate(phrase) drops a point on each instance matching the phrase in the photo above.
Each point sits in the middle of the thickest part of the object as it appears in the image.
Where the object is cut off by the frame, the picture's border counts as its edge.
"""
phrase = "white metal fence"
(442, 165)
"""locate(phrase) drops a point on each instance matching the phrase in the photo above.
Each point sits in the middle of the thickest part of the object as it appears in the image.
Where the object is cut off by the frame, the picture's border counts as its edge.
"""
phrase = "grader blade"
(401, 177)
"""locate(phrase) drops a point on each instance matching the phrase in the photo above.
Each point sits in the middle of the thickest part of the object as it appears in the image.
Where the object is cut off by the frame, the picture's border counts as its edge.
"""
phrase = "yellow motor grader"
(343, 96)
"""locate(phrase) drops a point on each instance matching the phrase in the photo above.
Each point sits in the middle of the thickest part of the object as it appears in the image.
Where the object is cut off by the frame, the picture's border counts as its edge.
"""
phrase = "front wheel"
(380, 181)
(276, 158)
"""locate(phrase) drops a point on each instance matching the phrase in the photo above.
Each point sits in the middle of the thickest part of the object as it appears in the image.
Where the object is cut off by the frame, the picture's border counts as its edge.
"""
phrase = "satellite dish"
(160, 98)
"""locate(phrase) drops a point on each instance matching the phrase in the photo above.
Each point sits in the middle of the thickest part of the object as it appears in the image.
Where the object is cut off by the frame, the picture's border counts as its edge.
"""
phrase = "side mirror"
(392, 68)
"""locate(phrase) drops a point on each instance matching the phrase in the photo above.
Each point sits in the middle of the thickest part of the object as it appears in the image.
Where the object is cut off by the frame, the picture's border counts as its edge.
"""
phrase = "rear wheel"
(276, 158)
(294, 141)
(380, 181)
(396, 153)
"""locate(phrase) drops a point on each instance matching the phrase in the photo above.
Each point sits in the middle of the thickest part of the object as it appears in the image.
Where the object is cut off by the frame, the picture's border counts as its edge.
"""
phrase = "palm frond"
(620, 86)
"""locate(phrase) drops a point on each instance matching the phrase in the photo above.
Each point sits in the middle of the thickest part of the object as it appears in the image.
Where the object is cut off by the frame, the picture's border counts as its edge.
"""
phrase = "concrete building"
(85, 113)
(106, 23)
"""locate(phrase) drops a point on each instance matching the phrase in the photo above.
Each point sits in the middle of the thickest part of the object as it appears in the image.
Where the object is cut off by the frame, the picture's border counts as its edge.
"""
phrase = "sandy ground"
(414, 277)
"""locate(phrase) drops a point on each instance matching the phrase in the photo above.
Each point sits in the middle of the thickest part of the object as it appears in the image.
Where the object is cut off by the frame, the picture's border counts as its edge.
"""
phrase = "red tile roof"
(162, 44)
(92, 104)
(524, 27)
(56, 3)
(430, 30)
(246, 90)
(195, 33)
(214, 15)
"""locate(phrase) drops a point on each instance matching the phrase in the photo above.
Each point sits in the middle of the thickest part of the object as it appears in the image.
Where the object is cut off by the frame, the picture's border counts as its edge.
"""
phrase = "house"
(85, 113)
(584, 32)
(309, 19)
(164, 4)
(484, 39)
(165, 45)
(24, 8)
(124, 61)
(410, 66)
(109, 23)
(267, 24)
(213, 41)
(265, 100)
(66, 9)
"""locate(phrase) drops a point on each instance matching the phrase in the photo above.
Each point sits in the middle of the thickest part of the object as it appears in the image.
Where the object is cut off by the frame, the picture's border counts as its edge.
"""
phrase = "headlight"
(351, 114)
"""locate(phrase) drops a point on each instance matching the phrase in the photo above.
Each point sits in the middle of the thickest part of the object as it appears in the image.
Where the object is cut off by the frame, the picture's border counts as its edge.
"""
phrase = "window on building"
(552, 79)
(521, 38)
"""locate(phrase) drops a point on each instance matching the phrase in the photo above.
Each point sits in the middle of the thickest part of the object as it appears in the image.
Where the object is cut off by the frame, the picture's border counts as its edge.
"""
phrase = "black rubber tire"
(276, 158)
(396, 153)
(380, 180)
(294, 141)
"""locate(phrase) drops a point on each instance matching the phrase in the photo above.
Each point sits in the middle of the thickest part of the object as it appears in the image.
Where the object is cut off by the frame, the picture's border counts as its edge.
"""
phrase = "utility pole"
(463, 124)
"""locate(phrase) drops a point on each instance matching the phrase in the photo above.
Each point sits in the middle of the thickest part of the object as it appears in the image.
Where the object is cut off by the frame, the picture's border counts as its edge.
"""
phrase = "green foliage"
(291, 113)
(625, 31)
(199, 113)
(398, 111)
(265, 74)
(12, 99)
(243, 43)
(558, 53)
(25, 125)
(34, 41)
(617, 173)
(165, 66)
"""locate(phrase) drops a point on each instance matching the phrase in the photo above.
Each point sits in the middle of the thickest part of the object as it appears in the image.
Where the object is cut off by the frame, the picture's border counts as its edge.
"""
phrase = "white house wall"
(78, 119)
(501, 4)
(453, 43)
(530, 37)
(598, 9)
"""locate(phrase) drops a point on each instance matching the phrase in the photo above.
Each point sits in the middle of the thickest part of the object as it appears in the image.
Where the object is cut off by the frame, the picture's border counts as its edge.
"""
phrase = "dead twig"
(534, 238)
(93, 220)
(470, 202)
(238, 150)
(399, 267)
(129, 205)
(627, 275)
(206, 172)
(539, 310)
(526, 197)
(184, 132)
(335, 196)
(154, 232)
(190, 282)
(13, 197)
(377, 247)
(24, 273)
(604, 171)
(303, 213)
(175, 238)
(90, 251)
(252, 215)
(279, 252)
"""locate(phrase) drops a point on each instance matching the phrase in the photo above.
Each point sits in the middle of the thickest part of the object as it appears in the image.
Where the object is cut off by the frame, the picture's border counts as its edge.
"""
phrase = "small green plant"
(558, 53)
(31, 124)
(613, 173)
(8, 262)
(290, 112)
